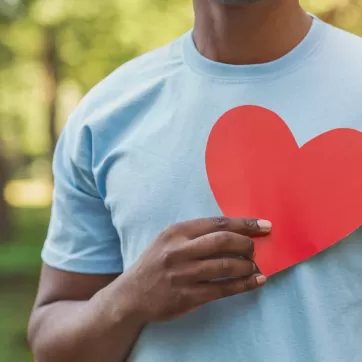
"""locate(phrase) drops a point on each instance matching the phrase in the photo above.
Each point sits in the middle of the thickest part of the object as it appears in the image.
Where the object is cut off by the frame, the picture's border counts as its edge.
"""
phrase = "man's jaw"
(236, 2)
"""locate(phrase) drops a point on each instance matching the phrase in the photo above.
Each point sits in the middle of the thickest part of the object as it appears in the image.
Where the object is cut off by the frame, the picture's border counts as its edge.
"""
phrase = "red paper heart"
(312, 194)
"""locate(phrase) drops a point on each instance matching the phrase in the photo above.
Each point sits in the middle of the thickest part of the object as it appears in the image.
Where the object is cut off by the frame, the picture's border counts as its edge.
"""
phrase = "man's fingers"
(207, 270)
(211, 291)
(218, 244)
(195, 228)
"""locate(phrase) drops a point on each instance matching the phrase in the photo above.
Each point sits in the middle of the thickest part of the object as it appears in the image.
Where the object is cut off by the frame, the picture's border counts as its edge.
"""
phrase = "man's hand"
(81, 317)
(193, 263)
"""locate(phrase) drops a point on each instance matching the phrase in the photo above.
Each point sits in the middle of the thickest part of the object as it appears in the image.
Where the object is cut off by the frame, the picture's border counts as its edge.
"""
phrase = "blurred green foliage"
(51, 53)
(19, 270)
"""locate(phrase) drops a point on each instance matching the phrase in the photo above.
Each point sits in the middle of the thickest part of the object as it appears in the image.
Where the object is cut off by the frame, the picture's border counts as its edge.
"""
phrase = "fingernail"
(261, 279)
(265, 225)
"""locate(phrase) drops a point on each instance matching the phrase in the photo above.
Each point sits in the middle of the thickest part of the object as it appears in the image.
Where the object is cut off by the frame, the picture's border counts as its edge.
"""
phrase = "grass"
(19, 269)
(22, 254)
(15, 307)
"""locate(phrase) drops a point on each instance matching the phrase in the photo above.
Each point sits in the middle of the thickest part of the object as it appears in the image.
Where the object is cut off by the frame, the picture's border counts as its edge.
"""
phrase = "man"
(139, 264)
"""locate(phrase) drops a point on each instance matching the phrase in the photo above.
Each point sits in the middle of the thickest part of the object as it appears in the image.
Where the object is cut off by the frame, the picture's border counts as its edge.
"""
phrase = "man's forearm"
(103, 329)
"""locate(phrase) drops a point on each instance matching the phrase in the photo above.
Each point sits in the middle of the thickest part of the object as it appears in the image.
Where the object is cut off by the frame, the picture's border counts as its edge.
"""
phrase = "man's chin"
(236, 2)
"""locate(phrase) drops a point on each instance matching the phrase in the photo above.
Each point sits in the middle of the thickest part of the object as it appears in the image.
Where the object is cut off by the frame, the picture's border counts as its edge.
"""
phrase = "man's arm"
(75, 319)
(80, 318)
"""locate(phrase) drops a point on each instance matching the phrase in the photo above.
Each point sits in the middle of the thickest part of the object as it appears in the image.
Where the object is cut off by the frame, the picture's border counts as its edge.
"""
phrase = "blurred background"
(51, 53)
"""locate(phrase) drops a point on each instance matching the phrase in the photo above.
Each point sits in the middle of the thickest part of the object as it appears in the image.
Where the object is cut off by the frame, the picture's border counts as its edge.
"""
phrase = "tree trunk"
(51, 70)
(5, 222)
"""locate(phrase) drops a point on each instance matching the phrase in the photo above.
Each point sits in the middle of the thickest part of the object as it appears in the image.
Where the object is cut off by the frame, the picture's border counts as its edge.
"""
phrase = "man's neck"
(249, 34)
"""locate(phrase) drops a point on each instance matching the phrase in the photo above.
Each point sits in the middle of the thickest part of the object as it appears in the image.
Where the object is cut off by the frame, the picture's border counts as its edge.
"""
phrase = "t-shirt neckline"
(197, 62)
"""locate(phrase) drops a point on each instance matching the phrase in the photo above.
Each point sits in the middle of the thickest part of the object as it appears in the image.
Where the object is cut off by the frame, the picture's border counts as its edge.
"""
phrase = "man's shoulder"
(339, 74)
(131, 79)
(338, 64)
(160, 62)
(343, 46)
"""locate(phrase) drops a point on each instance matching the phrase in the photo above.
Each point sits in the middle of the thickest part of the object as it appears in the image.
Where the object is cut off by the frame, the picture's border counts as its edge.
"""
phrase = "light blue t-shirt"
(131, 161)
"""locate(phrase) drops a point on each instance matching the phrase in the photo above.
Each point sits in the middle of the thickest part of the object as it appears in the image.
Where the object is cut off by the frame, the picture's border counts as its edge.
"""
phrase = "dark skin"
(251, 33)
(98, 318)
(84, 317)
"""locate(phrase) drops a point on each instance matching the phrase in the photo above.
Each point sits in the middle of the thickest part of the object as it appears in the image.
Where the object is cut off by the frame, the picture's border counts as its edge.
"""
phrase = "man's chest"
(157, 175)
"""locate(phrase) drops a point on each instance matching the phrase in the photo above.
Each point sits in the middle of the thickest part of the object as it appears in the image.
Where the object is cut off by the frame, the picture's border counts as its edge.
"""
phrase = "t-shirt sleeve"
(81, 236)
